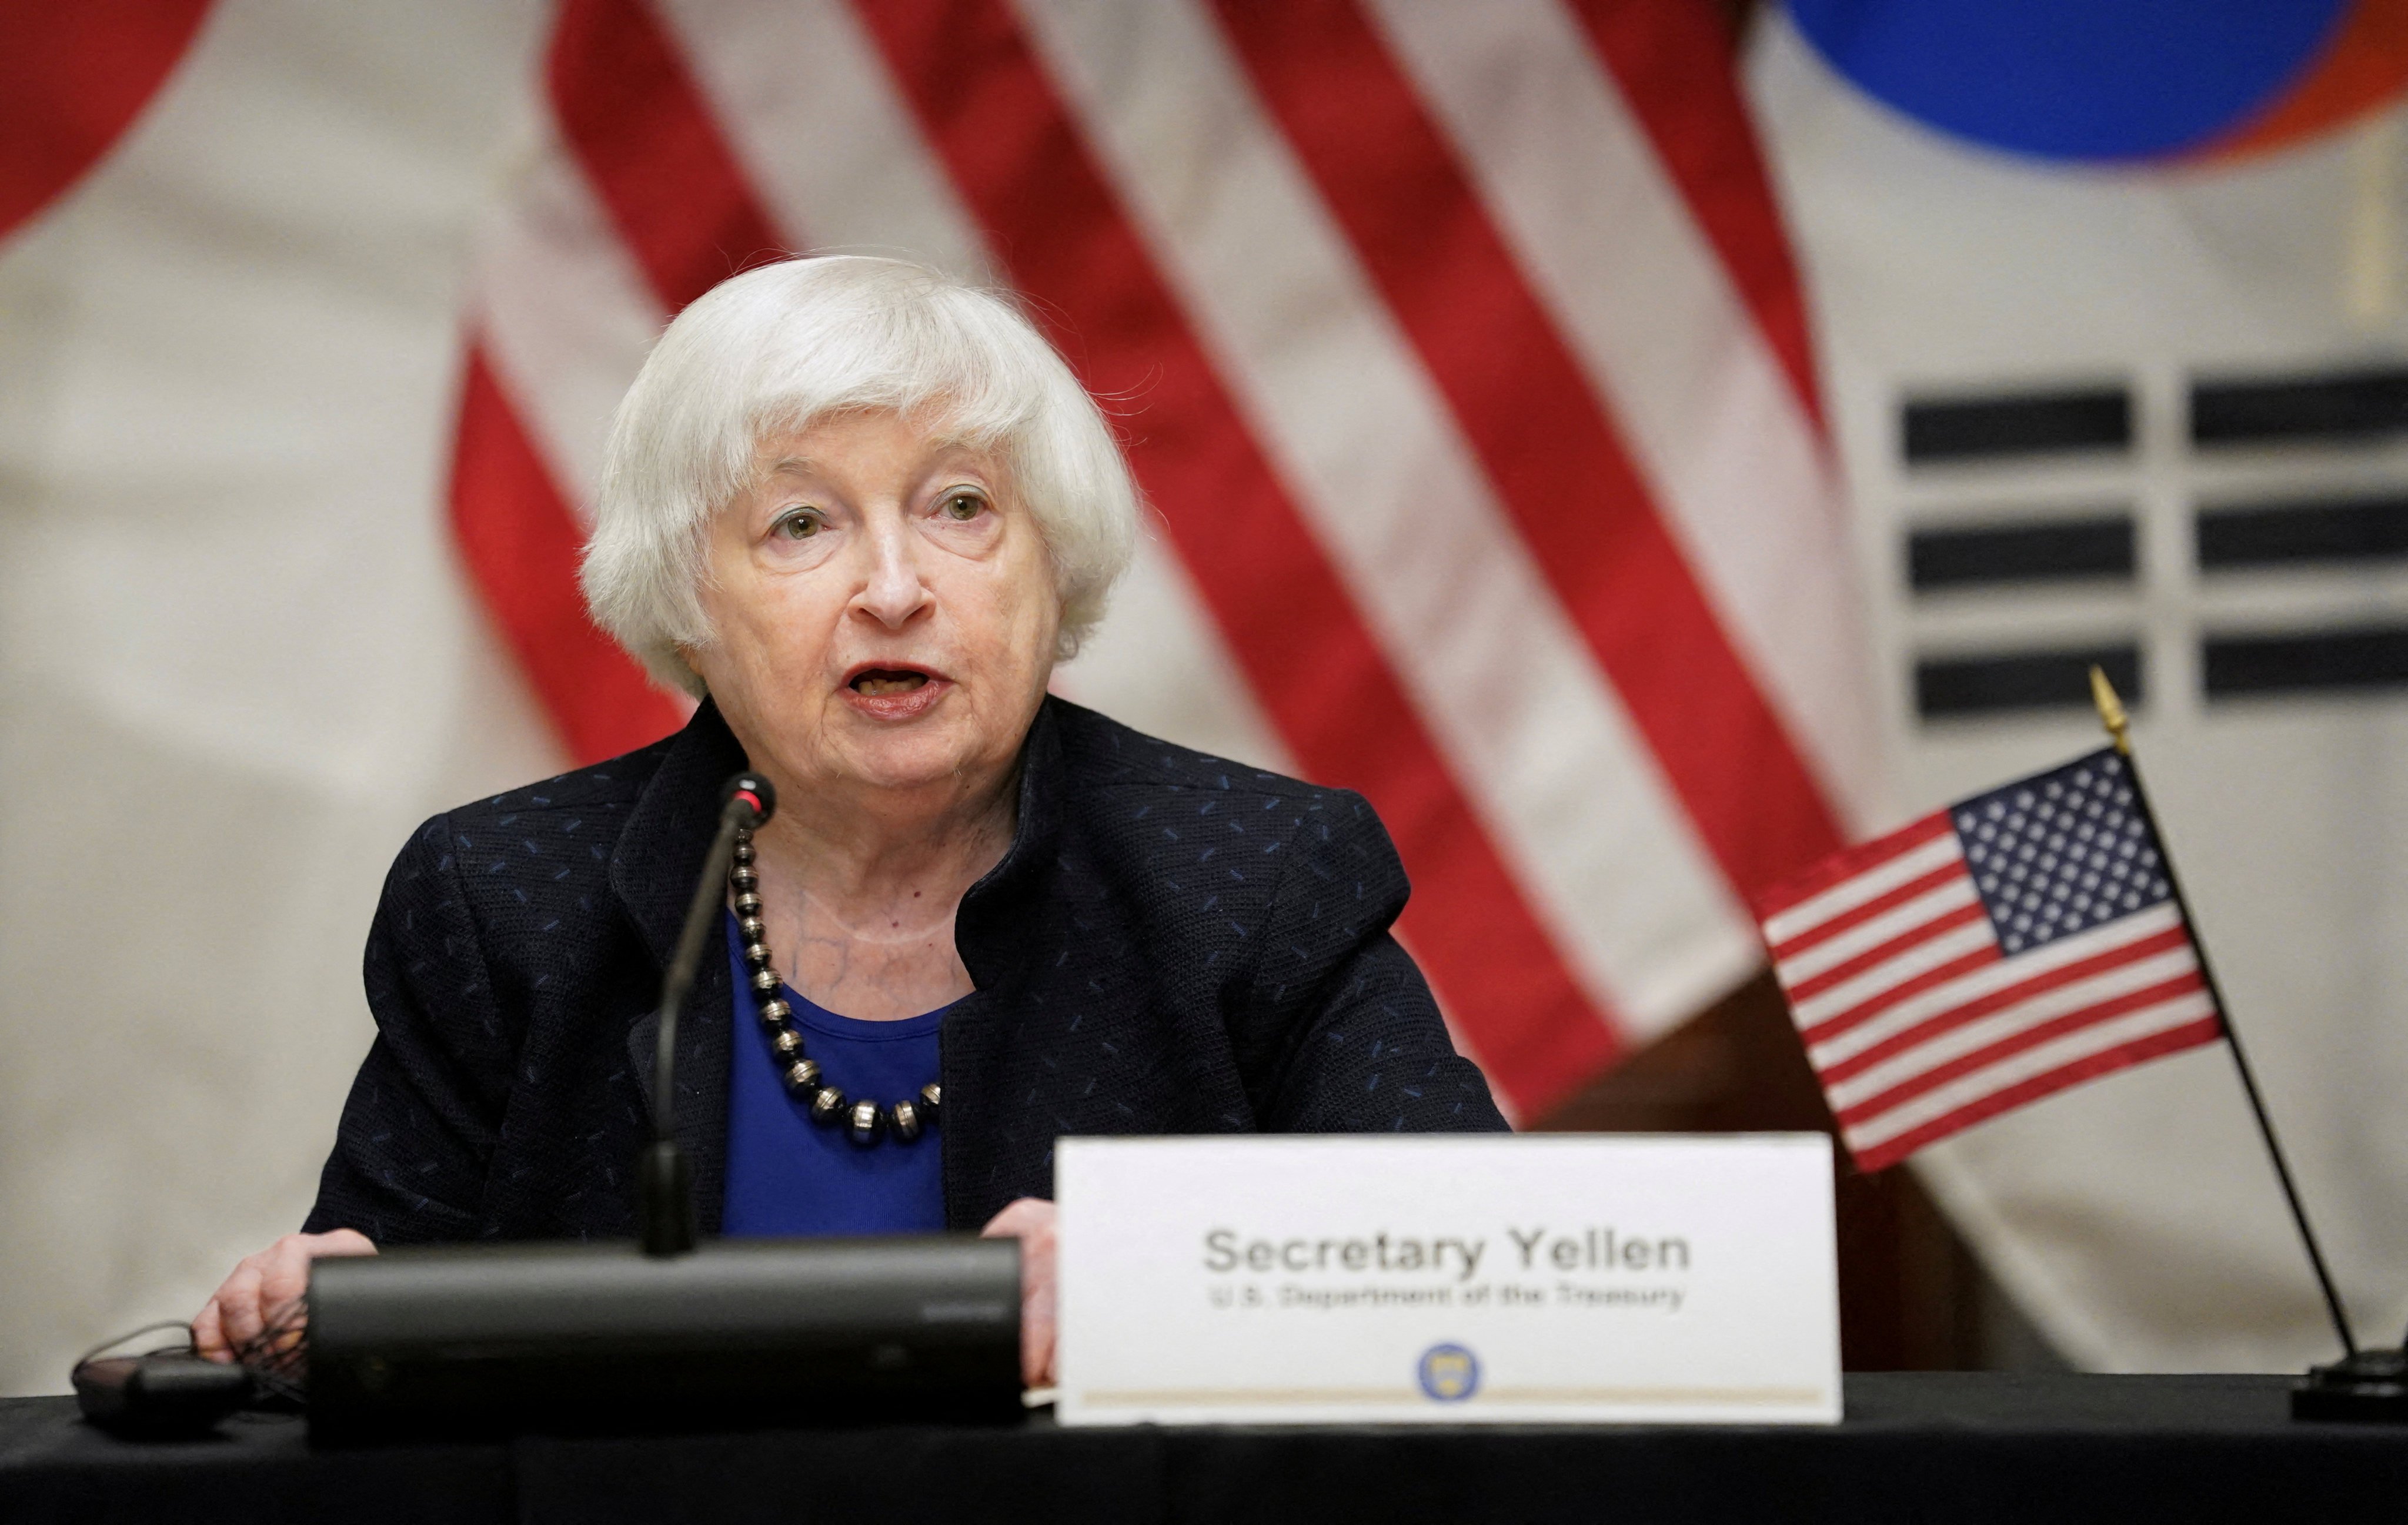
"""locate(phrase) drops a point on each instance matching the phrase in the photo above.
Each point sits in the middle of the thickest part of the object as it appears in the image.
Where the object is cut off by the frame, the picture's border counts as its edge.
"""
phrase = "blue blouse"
(787, 1175)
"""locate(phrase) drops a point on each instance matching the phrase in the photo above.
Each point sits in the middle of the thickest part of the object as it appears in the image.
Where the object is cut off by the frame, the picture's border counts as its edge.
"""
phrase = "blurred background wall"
(1641, 444)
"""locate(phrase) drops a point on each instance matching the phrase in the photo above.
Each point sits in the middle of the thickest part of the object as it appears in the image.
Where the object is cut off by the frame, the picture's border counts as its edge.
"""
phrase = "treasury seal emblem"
(1449, 1373)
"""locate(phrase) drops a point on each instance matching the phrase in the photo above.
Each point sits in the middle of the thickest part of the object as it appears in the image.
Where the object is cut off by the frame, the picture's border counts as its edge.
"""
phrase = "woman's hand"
(266, 1290)
(1031, 1221)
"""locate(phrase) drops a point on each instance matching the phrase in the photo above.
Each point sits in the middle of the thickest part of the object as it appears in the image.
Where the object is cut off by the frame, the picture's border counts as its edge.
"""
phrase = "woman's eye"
(963, 506)
(799, 525)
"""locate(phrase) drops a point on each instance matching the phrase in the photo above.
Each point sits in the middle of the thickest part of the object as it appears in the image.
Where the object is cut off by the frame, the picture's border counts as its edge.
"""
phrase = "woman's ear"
(691, 683)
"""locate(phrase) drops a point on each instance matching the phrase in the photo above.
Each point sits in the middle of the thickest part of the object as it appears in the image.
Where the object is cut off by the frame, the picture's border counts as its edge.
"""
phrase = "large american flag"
(1457, 347)
(1992, 953)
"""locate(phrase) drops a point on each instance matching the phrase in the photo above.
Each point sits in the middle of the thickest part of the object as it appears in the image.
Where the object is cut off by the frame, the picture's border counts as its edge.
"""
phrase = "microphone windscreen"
(755, 792)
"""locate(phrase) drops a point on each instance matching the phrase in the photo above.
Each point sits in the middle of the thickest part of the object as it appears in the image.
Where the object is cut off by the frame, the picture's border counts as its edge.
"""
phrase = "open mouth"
(885, 682)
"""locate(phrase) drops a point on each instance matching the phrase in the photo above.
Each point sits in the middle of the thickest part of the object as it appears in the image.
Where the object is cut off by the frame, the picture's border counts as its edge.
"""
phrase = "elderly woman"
(859, 511)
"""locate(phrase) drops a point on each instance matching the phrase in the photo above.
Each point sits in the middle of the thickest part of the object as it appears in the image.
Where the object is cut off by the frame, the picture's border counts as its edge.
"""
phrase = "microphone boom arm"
(665, 1199)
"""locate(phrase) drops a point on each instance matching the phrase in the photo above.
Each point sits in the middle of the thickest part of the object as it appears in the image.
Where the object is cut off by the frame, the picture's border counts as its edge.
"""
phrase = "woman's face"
(883, 609)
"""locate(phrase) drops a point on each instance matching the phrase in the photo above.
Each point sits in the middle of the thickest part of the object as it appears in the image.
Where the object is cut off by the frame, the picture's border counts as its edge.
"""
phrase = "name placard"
(1447, 1279)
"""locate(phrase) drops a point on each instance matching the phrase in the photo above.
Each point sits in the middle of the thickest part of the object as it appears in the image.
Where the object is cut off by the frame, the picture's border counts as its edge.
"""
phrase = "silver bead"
(764, 982)
(745, 880)
(867, 1123)
(802, 1079)
(751, 929)
(744, 848)
(788, 1045)
(904, 1119)
(828, 1106)
(775, 1013)
(931, 1097)
(757, 955)
(747, 906)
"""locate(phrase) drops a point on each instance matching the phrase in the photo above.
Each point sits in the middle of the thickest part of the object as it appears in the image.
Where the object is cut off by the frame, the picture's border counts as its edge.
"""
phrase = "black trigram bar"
(2095, 547)
(2338, 404)
(1944, 429)
(2369, 529)
(2235, 666)
(1950, 688)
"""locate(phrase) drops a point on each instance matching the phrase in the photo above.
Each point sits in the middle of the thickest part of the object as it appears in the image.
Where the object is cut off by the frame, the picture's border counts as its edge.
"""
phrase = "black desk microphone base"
(2371, 1386)
(498, 1339)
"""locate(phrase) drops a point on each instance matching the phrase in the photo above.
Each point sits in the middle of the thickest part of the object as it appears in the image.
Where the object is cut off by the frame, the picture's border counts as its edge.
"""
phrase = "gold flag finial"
(2111, 709)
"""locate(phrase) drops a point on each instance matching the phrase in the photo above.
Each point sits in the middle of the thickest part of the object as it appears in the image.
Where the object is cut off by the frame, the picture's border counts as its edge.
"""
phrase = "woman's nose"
(895, 591)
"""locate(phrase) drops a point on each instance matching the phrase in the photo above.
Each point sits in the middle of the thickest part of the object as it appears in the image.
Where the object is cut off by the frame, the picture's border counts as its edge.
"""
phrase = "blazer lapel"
(991, 931)
(652, 873)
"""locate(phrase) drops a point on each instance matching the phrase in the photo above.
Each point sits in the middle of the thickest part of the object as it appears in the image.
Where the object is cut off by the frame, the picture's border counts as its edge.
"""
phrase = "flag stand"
(2363, 1384)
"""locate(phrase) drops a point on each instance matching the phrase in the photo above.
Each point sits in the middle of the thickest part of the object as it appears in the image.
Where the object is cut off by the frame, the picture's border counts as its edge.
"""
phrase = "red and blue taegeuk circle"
(2120, 79)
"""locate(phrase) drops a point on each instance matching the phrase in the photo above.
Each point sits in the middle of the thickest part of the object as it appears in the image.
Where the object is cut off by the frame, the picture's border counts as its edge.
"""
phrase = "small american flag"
(2012, 945)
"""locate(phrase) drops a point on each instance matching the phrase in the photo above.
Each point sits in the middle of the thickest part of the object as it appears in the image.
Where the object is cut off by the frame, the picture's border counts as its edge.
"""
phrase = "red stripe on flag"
(1948, 873)
(1545, 439)
(629, 107)
(630, 111)
(1925, 1081)
(1840, 973)
(1998, 1000)
(992, 115)
(520, 543)
(1676, 68)
(2123, 1056)
(73, 79)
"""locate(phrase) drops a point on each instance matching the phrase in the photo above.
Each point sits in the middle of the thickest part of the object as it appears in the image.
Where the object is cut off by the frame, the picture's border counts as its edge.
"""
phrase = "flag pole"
(2111, 714)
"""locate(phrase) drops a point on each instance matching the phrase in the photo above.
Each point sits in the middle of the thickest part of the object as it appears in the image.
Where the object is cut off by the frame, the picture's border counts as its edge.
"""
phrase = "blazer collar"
(988, 928)
(677, 810)
(670, 828)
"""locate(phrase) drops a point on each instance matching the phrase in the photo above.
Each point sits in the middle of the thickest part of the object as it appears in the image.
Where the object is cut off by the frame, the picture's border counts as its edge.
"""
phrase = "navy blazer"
(1172, 944)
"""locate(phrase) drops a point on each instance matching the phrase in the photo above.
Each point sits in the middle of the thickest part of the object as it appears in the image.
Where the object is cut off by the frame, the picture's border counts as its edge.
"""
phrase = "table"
(1971, 1446)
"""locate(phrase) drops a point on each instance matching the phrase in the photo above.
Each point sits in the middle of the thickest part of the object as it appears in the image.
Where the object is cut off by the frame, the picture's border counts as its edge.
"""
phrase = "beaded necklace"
(867, 1121)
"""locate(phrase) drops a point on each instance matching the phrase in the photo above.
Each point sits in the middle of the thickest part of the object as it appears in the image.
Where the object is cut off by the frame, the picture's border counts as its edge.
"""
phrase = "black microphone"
(665, 1199)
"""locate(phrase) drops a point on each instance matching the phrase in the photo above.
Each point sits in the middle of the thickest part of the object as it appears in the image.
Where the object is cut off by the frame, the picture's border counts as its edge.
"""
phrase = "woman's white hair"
(780, 347)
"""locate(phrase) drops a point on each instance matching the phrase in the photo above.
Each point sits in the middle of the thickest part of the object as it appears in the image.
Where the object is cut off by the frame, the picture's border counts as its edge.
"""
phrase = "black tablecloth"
(1916, 1445)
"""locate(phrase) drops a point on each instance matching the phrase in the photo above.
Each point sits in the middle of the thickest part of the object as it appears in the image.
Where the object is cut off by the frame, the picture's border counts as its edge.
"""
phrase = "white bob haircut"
(780, 347)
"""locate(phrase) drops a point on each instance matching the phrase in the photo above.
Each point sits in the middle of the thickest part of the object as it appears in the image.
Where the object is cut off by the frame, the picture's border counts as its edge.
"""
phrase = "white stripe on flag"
(828, 145)
(566, 316)
(1987, 980)
(1922, 957)
(2087, 1043)
(1864, 887)
(1339, 401)
(2047, 1006)
(1953, 894)
(1159, 662)
(1575, 185)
